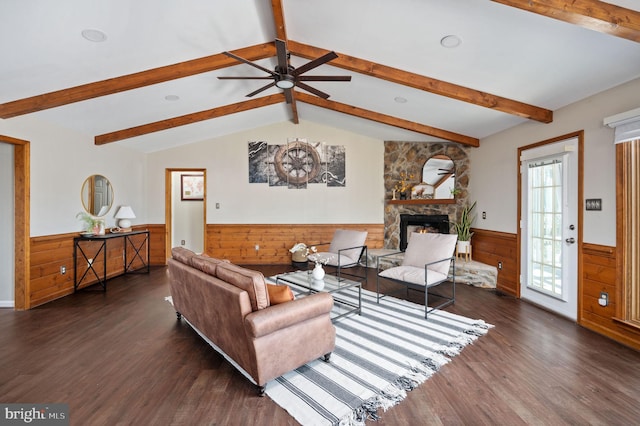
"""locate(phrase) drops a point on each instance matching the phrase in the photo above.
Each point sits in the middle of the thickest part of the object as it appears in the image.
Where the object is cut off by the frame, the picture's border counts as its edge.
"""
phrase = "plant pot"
(463, 248)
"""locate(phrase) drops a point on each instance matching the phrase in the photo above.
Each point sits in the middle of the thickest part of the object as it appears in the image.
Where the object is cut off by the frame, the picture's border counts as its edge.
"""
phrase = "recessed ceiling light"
(96, 36)
(400, 100)
(450, 41)
(172, 97)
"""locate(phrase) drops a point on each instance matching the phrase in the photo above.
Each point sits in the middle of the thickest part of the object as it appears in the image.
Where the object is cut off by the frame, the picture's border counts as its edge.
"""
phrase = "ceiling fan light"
(286, 82)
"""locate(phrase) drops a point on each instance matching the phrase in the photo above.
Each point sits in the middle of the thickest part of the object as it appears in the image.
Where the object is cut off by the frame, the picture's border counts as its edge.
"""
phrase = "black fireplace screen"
(421, 223)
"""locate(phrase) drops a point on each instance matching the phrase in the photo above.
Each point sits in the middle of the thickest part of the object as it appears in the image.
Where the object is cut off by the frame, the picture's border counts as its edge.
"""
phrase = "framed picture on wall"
(192, 187)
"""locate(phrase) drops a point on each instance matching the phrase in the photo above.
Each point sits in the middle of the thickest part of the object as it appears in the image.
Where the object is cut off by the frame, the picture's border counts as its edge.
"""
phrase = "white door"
(549, 228)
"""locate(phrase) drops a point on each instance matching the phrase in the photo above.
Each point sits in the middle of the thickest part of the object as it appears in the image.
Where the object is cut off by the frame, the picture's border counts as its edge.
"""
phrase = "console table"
(89, 248)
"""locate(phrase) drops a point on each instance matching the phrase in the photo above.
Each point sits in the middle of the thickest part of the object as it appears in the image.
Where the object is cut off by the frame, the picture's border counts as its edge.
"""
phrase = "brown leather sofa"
(229, 306)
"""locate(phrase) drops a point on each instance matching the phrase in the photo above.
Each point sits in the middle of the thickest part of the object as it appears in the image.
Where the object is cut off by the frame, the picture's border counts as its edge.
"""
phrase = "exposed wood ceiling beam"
(595, 15)
(281, 33)
(132, 81)
(387, 119)
(428, 84)
(278, 18)
(188, 119)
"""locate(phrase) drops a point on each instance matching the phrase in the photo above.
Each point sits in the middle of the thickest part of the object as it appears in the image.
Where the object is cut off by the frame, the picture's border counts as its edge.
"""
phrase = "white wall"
(226, 161)
(494, 165)
(7, 249)
(60, 162)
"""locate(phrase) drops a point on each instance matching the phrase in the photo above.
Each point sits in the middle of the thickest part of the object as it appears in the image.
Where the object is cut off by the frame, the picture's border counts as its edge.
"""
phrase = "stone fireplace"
(421, 223)
(409, 158)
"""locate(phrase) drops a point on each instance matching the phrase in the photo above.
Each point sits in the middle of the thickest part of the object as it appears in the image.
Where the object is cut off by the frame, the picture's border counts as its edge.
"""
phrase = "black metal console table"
(134, 249)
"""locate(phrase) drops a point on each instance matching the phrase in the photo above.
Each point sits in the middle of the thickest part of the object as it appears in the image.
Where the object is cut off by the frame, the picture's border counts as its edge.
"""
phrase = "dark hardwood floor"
(122, 358)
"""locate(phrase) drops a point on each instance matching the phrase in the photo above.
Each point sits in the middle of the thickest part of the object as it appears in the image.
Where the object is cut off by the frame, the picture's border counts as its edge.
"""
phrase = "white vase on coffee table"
(318, 272)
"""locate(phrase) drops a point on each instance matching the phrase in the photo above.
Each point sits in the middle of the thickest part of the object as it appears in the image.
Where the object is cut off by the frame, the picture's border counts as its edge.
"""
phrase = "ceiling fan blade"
(255, 92)
(315, 63)
(238, 58)
(310, 89)
(245, 78)
(281, 49)
(324, 78)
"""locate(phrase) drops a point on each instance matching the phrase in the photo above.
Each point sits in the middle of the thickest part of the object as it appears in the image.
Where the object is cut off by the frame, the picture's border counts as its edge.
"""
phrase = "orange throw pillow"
(279, 293)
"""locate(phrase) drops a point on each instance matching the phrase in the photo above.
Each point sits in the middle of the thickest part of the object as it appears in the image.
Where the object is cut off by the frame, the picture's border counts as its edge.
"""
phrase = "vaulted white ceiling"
(504, 51)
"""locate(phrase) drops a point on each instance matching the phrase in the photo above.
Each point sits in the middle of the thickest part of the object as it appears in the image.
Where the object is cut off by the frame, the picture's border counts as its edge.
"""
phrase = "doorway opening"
(21, 215)
(550, 217)
(185, 209)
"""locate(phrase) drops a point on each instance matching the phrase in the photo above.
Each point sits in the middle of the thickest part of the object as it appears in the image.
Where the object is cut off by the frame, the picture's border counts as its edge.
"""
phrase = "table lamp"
(124, 214)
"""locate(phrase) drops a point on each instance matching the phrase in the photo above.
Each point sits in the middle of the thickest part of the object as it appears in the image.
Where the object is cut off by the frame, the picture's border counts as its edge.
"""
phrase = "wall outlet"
(499, 265)
(63, 270)
(604, 299)
(484, 215)
(182, 242)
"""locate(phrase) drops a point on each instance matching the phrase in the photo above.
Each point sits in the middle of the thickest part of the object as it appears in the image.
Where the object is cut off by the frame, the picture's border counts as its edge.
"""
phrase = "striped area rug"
(380, 355)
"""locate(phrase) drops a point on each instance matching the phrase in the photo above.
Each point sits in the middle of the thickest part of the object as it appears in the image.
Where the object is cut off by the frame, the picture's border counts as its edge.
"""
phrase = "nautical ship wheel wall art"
(297, 164)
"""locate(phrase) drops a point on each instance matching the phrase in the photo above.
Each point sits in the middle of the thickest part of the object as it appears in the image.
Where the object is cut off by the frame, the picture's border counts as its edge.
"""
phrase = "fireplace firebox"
(421, 223)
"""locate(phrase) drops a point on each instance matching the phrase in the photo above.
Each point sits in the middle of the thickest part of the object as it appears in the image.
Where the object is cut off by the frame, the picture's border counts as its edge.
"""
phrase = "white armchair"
(346, 250)
(426, 263)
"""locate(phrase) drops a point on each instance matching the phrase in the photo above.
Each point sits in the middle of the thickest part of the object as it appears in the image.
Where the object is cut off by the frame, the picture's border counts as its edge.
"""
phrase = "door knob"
(570, 240)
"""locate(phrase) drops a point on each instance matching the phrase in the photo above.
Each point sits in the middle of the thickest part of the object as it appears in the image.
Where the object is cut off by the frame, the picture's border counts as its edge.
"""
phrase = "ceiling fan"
(285, 76)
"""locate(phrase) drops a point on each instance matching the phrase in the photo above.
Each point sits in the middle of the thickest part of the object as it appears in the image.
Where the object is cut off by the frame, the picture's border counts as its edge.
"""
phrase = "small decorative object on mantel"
(403, 186)
(463, 229)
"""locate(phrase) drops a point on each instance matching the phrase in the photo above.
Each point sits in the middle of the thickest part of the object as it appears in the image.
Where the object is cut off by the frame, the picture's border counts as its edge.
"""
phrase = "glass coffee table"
(337, 288)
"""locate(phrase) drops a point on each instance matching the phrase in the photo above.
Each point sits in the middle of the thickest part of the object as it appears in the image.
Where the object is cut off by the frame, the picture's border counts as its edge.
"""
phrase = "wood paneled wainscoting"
(492, 247)
(599, 275)
(52, 252)
(238, 242)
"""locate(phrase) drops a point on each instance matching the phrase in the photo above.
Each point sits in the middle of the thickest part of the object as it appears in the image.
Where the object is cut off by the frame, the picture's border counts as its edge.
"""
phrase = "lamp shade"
(124, 214)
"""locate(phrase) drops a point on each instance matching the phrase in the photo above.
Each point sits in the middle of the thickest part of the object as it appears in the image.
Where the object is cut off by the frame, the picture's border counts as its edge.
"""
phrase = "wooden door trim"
(22, 249)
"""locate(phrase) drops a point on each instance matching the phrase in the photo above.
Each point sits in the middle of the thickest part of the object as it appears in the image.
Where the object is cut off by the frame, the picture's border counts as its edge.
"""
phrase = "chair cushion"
(347, 238)
(331, 259)
(246, 279)
(413, 275)
(428, 247)
(279, 293)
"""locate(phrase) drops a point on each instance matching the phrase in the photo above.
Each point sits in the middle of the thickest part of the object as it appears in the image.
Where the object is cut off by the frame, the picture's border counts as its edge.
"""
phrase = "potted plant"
(92, 224)
(463, 229)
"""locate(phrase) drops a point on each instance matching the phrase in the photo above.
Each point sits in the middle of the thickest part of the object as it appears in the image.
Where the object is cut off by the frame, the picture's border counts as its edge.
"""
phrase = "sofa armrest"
(265, 321)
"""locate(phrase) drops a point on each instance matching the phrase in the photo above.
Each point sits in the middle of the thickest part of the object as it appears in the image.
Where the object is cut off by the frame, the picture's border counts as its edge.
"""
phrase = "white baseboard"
(7, 304)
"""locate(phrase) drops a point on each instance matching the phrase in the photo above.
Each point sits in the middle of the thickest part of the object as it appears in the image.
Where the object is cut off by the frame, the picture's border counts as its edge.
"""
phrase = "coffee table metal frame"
(332, 285)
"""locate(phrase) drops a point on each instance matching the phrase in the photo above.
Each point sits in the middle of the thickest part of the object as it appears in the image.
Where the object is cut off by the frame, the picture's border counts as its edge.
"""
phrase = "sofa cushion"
(182, 255)
(246, 279)
(206, 264)
(279, 294)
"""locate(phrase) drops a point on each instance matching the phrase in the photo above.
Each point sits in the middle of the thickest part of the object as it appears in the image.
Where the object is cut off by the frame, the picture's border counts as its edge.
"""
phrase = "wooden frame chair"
(426, 263)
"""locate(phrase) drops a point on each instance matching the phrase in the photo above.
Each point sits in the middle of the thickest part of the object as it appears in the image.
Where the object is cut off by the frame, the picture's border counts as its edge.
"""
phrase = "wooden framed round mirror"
(97, 195)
